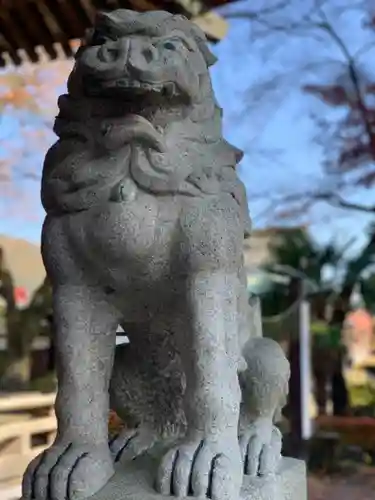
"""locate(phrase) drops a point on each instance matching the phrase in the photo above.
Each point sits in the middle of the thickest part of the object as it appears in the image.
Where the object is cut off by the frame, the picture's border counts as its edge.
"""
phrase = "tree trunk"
(339, 390)
(340, 393)
(322, 367)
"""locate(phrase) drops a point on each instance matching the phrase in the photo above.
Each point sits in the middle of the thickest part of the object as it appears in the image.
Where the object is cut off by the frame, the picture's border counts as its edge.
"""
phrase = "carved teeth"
(136, 84)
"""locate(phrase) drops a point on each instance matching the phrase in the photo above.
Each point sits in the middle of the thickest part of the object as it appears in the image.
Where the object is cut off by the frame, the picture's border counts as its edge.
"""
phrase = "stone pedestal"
(133, 481)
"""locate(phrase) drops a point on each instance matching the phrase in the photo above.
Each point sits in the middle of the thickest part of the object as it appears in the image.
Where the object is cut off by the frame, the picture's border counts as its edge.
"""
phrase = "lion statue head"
(154, 55)
(140, 91)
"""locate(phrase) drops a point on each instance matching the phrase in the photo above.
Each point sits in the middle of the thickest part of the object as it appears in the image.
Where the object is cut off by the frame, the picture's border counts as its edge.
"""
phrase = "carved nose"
(149, 53)
(113, 51)
(141, 56)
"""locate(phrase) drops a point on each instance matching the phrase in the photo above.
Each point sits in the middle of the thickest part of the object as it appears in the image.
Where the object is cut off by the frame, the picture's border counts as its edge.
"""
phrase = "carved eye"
(169, 45)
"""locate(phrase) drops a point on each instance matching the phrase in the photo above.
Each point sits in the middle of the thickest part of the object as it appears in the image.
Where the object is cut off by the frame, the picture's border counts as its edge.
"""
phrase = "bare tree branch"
(339, 202)
(353, 74)
(292, 206)
(347, 141)
(257, 14)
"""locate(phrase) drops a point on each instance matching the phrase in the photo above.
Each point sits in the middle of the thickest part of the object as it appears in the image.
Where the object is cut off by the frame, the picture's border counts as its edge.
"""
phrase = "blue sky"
(276, 131)
(280, 121)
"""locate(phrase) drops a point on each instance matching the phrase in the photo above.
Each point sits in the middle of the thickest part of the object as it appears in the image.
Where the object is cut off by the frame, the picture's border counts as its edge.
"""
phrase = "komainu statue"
(145, 224)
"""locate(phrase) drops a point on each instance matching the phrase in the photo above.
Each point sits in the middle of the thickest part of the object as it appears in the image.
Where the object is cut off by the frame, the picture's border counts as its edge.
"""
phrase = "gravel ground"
(359, 486)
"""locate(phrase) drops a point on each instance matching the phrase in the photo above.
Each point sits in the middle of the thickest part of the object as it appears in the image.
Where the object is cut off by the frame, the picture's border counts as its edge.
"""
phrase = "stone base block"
(134, 481)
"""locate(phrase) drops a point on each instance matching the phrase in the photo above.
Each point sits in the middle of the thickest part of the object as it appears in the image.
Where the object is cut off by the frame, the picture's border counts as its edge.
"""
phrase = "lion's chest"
(126, 243)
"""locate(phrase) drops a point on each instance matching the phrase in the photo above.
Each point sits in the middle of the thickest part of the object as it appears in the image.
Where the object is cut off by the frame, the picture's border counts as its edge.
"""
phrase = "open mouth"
(133, 86)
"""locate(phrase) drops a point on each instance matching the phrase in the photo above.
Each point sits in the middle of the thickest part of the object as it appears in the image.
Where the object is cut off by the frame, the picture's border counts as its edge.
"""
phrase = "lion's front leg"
(79, 462)
(208, 461)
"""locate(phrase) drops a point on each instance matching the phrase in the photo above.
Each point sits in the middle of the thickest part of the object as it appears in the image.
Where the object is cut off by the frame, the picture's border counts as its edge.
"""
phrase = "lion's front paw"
(260, 446)
(69, 472)
(130, 443)
(206, 467)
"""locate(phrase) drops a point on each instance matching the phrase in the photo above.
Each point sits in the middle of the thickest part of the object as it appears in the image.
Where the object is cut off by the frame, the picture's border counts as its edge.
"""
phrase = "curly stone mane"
(187, 156)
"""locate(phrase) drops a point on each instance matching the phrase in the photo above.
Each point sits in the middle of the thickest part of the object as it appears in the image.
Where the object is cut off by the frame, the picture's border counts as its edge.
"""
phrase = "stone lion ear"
(101, 16)
(209, 57)
(106, 19)
(201, 40)
(239, 154)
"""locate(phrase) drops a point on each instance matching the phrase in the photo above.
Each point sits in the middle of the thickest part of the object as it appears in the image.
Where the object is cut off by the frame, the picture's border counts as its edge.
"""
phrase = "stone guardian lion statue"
(144, 228)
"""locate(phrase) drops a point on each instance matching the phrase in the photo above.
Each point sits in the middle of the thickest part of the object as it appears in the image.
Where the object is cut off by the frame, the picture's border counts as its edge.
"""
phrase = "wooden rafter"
(26, 25)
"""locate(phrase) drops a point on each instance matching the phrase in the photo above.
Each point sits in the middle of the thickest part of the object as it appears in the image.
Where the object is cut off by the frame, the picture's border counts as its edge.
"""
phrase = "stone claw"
(128, 444)
(201, 468)
(67, 472)
(260, 447)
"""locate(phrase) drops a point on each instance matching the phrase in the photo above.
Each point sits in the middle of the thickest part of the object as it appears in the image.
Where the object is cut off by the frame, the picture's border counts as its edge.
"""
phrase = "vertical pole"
(295, 390)
(305, 368)
(254, 316)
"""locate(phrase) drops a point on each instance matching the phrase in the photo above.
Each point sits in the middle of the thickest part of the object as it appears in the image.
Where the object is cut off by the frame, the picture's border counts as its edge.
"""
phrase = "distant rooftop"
(31, 29)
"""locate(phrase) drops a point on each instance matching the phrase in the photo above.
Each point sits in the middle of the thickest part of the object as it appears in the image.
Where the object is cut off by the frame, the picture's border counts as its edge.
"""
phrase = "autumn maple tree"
(28, 97)
(32, 87)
